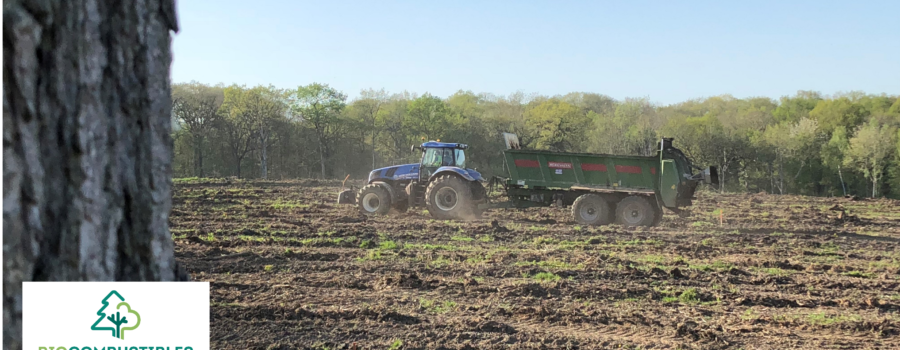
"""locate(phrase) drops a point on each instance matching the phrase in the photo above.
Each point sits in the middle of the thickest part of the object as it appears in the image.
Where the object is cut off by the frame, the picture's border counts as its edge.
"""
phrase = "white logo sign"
(115, 315)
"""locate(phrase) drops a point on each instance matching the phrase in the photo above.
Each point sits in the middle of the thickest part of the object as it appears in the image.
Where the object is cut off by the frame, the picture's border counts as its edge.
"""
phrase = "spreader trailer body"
(601, 189)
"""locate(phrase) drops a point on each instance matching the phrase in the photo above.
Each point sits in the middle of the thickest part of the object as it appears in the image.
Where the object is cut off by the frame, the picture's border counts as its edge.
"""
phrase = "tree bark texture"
(86, 145)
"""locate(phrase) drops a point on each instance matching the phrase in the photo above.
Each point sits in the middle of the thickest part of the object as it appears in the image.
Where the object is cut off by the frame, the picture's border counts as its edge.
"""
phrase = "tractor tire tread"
(383, 195)
(464, 198)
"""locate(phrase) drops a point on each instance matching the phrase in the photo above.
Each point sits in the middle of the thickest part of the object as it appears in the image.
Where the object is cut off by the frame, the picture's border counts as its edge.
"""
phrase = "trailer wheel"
(635, 211)
(449, 197)
(591, 209)
(373, 199)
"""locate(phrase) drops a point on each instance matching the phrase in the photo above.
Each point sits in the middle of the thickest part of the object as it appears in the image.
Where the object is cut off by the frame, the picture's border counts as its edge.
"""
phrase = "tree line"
(809, 143)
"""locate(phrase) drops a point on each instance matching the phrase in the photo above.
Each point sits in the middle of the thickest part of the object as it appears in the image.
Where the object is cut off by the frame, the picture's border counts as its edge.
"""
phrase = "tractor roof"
(435, 144)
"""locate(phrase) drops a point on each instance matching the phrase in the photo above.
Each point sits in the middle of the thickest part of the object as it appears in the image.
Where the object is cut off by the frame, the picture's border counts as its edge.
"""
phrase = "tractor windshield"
(437, 157)
(460, 156)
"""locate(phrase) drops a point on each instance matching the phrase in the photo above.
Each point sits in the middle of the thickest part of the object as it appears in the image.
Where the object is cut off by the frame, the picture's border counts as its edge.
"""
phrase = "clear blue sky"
(668, 51)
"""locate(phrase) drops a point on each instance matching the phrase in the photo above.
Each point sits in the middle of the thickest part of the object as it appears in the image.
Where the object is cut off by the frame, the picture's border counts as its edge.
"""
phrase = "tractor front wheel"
(449, 197)
(373, 200)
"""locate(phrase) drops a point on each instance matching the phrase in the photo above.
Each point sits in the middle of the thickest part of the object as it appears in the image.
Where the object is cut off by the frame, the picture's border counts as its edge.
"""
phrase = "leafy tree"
(833, 153)
(794, 143)
(366, 110)
(238, 125)
(555, 125)
(196, 107)
(791, 109)
(840, 112)
(318, 106)
(869, 150)
(265, 107)
(429, 117)
(391, 117)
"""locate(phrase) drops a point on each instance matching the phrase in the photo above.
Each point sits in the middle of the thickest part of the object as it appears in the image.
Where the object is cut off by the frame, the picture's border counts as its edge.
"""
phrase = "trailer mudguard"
(468, 174)
(668, 184)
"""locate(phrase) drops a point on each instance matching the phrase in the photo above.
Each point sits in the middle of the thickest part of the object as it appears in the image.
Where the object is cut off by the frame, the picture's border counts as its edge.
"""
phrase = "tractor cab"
(437, 155)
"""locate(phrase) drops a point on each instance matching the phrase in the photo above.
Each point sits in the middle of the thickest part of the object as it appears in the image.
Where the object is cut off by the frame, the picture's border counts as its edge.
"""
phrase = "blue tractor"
(440, 182)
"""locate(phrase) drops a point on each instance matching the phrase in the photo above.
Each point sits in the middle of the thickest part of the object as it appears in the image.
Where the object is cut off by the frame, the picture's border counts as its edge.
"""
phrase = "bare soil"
(291, 269)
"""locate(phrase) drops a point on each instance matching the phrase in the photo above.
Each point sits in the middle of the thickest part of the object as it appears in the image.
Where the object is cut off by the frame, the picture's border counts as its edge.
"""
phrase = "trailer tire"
(373, 199)
(591, 209)
(449, 197)
(635, 211)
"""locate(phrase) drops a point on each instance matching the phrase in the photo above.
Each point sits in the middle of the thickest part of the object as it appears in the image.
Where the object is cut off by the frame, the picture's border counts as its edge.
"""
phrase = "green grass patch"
(823, 319)
(388, 245)
(373, 254)
(859, 274)
(428, 246)
(553, 264)
(436, 306)
(280, 204)
(689, 296)
(546, 277)
(702, 224)
(639, 242)
(653, 259)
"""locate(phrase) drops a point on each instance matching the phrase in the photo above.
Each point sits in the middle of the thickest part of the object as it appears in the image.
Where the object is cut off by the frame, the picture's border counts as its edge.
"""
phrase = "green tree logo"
(117, 320)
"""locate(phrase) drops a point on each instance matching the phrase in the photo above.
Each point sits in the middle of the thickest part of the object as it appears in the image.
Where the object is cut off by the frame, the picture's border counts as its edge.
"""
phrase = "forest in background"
(809, 143)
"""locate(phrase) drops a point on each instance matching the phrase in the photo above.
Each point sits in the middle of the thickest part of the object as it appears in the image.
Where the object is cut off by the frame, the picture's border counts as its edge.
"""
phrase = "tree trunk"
(263, 156)
(87, 170)
(781, 175)
(263, 160)
(201, 161)
(373, 145)
(771, 178)
(874, 186)
(198, 150)
(322, 157)
(841, 176)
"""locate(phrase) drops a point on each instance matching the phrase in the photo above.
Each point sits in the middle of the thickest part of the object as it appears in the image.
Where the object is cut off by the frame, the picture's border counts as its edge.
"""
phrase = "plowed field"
(291, 269)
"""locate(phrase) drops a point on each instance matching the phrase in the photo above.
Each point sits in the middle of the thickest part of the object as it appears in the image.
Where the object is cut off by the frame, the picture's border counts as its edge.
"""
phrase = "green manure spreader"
(600, 188)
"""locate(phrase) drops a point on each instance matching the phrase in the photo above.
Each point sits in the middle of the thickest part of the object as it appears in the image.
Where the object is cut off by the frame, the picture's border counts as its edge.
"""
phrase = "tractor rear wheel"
(591, 209)
(373, 200)
(449, 197)
(635, 211)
